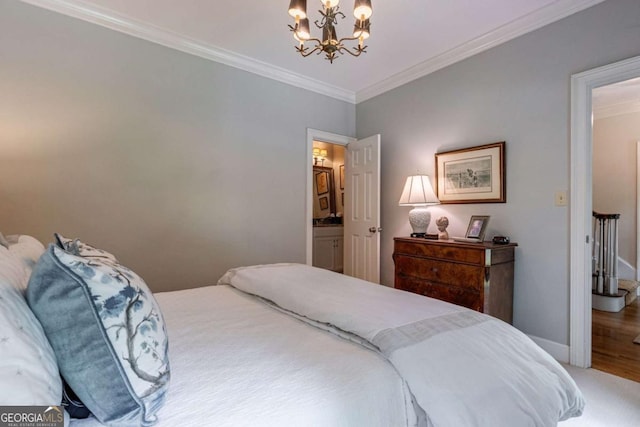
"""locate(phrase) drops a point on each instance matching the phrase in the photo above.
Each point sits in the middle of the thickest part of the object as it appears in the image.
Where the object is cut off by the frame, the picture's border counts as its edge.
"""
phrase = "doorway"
(582, 86)
(320, 139)
(328, 205)
(361, 219)
(616, 320)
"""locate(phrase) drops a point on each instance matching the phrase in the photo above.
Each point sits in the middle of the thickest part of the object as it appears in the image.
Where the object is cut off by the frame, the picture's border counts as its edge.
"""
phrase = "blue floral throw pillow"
(107, 332)
(77, 247)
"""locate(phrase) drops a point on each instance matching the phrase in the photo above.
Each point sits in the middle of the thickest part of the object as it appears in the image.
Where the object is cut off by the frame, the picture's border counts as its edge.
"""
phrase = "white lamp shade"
(362, 9)
(302, 33)
(298, 9)
(418, 192)
(361, 29)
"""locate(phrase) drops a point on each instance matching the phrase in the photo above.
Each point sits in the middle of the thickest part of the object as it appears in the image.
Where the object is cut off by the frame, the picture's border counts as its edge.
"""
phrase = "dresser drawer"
(452, 294)
(448, 273)
(469, 255)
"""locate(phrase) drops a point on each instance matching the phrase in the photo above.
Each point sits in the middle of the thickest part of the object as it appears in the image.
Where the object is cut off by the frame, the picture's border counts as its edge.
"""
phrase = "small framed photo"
(472, 175)
(342, 177)
(477, 227)
(324, 203)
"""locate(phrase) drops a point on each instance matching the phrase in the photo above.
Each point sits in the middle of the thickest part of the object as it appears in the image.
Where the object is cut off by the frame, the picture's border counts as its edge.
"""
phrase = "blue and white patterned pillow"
(108, 334)
(77, 247)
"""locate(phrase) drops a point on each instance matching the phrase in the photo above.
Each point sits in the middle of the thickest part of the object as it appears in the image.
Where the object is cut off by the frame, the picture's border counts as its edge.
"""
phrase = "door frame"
(331, 138)
(581, 205)
(637, 266)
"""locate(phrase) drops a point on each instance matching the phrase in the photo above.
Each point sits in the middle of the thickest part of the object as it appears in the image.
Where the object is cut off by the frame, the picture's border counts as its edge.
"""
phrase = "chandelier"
(330, 44)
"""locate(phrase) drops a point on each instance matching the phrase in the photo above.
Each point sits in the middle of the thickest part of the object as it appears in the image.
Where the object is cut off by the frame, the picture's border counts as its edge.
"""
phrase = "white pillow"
(28, 369)
(26, 248)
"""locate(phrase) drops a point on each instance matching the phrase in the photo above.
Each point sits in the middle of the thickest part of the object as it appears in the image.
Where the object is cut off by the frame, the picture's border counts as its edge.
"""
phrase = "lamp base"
(425, 236)
(419, 218)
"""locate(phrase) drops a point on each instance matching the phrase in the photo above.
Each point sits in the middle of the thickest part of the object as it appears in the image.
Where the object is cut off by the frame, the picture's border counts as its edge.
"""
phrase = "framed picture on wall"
(342, 177)
(324, 203)
(322, 182)
(472, 175)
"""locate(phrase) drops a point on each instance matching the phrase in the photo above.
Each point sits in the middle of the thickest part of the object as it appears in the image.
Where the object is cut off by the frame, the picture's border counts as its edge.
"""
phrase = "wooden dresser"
(475, 275)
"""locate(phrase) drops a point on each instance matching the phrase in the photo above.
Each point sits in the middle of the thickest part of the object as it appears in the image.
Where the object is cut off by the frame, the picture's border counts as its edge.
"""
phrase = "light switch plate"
(561, 198)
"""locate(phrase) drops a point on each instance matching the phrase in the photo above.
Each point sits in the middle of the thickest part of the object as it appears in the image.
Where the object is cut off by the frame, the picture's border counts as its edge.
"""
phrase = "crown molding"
(109, 19)
(541, 17)
(144, 30)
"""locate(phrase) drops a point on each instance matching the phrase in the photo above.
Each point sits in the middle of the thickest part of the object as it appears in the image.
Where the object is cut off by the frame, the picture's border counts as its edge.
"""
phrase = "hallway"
(613, 350)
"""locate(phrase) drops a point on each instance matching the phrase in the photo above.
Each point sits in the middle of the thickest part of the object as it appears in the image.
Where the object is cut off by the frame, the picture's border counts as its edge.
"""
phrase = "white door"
(362, 209)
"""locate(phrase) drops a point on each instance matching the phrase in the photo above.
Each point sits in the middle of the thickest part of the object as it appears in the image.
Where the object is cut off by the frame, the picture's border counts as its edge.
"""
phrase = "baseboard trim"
(560, 352)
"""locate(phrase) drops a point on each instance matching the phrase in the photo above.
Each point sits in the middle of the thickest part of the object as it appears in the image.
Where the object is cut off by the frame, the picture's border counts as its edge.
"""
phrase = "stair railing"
(604, 261)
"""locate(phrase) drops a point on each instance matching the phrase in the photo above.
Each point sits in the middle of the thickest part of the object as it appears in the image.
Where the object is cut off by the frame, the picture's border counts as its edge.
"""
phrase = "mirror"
(324, 200)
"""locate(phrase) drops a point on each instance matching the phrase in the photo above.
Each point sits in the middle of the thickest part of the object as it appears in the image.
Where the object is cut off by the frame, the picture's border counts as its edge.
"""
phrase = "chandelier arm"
(304, 52)
(359, 50)
(347, 39)
(313, 39)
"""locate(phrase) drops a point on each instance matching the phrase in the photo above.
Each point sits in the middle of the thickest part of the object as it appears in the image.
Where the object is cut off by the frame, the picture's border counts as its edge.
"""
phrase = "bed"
(289, 344)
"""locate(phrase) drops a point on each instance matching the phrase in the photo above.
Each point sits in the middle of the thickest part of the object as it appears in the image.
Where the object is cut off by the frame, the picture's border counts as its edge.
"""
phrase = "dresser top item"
(485, 245)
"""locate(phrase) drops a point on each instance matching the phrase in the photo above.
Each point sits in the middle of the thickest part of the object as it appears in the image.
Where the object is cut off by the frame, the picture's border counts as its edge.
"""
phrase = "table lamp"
(418, 192)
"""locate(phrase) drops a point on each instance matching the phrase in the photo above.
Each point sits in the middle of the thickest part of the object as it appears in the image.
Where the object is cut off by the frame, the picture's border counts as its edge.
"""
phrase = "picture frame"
(472, 175)
(477, 227)
(322, 182)
(342, 177)
(324, 203)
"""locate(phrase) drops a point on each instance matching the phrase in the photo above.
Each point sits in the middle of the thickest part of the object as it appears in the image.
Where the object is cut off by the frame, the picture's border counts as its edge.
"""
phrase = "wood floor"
(613, 350)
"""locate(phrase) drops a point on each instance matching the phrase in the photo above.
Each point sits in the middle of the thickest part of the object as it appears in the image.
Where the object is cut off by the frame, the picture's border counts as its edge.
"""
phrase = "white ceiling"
(409, 38)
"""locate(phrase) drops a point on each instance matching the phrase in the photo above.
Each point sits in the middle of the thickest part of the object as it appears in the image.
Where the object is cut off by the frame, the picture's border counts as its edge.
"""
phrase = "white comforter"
(238, 362)
(464, 368)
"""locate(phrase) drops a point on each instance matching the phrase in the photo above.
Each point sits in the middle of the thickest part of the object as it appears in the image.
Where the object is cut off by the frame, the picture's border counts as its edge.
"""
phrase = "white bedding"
(464, 368)
(238, 362)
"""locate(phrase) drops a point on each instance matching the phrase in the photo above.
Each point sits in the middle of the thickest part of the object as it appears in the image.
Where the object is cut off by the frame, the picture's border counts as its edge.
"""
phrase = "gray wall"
(180, 166)
(615, 142)
(518, 92)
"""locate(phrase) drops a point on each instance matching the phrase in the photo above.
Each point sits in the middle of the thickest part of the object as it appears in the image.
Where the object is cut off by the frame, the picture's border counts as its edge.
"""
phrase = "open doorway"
(581, 206)
(328, 205)
(361, 218)
(615, 307)
(315, 212)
